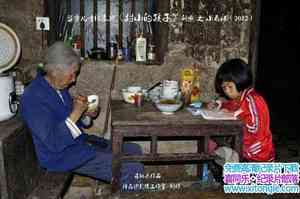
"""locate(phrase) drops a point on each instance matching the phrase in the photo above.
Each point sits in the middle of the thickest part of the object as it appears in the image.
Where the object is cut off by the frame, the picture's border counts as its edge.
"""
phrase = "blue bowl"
(196, 105)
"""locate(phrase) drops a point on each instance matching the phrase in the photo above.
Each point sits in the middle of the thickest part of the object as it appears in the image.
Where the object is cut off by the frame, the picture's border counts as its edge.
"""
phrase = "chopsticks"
(153, 86)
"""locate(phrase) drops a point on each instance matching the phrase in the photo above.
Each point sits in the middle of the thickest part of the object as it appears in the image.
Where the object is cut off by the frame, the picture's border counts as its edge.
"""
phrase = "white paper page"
(216, 115)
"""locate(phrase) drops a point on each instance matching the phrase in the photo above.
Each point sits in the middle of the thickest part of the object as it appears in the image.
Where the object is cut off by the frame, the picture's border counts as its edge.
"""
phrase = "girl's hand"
(211, 105)
(225, 110)
(238, 112)
(214, 105)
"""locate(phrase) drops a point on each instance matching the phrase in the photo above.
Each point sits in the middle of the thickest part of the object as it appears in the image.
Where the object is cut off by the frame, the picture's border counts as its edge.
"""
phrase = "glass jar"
(151, 54)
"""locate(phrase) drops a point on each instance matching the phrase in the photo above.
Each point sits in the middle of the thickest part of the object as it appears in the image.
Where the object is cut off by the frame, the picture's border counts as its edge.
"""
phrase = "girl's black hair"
(236, 71)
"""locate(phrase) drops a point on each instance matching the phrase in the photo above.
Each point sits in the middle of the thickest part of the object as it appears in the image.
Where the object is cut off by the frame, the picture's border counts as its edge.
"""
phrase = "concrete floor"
(287, 150)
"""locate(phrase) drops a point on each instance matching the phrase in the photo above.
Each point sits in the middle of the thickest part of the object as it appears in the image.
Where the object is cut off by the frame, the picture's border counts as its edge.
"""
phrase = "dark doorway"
(278, 63)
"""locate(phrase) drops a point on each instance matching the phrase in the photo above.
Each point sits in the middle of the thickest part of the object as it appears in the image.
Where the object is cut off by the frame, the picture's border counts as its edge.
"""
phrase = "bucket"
(8, 105)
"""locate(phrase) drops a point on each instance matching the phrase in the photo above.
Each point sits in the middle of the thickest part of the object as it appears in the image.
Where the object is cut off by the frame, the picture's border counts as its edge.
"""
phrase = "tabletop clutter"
(168, 95)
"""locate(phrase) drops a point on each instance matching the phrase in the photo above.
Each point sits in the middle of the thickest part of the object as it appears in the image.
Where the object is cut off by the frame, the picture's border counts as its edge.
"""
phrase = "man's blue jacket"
(45, 113)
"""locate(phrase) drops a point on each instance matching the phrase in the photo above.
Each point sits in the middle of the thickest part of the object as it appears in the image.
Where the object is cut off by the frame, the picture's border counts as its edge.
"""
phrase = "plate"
(10, 48)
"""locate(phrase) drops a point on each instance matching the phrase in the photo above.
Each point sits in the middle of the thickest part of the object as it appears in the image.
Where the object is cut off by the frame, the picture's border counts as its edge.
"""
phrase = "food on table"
(168, 101)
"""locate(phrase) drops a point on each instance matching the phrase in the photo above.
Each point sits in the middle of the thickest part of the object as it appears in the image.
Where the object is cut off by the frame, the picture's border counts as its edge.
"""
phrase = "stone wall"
(20, 16)
(213, 31)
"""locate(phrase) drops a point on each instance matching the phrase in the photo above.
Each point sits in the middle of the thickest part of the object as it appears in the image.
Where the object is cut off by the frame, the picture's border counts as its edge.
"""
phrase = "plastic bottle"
(205, 173)
(140, 49)
(151, 54)
(195, 93)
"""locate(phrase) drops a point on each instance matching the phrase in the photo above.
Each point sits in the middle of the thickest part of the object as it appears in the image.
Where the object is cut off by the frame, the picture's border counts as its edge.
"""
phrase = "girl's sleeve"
(249, 114)
(230, 105)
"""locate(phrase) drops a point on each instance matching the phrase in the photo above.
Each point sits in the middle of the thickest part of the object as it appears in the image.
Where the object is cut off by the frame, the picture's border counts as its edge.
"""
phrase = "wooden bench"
(21, 177)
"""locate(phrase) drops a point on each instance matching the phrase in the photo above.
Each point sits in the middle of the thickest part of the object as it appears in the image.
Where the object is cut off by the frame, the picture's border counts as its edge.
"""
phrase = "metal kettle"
(96, 53)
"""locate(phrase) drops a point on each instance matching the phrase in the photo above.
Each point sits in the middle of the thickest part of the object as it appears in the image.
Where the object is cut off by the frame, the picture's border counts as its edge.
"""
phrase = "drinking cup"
(93, 101)
(170, 89)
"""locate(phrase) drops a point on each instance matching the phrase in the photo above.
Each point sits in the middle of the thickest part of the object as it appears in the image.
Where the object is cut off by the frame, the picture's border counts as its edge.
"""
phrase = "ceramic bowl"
(129, 93)
(168, 108)
(128, 96)
(134, 89)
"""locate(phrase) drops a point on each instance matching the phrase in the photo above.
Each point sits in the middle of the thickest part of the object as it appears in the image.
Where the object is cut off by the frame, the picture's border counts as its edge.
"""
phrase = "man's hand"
(80, 104)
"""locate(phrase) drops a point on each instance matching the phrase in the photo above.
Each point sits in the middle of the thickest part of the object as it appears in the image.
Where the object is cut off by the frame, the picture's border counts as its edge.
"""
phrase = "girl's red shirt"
(257, 137)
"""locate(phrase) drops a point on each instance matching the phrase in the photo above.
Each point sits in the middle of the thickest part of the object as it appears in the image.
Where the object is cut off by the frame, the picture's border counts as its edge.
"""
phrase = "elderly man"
(55, 122)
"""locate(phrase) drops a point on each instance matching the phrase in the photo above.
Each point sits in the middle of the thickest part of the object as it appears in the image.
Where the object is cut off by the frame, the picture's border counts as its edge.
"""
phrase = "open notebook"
(216, 115)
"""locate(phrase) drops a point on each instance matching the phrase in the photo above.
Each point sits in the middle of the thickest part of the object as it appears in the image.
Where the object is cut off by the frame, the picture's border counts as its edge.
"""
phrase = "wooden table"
(143, 122)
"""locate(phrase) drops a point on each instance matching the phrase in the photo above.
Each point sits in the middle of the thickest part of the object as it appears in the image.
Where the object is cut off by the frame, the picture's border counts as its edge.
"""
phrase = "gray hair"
(58, 58)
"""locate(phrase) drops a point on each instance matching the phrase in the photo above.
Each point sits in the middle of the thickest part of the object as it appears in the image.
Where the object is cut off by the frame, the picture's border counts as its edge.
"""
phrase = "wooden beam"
(195, 4)
(107, 26)
(68, 5)
(51, 9)
(173, 157)
(68, 12)
(146, 31)
(95, 24)
(132, 29)
(120, 36)
(161, 31)
(153, 146)
(146, 6)
(82, 32)
(254, 36)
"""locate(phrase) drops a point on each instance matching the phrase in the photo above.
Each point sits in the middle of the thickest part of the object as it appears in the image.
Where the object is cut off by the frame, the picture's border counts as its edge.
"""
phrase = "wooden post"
(68, 5)
(161, 32)
(146, 6)
(254, 36)
(146, 33)
(153, 146)
(107, 25)
(120, 37)
(200, 149)
(82, 32)
(95, 24)
(132, 30)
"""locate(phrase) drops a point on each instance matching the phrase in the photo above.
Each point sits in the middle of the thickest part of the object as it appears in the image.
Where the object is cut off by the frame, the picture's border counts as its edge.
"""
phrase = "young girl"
(233, 81)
